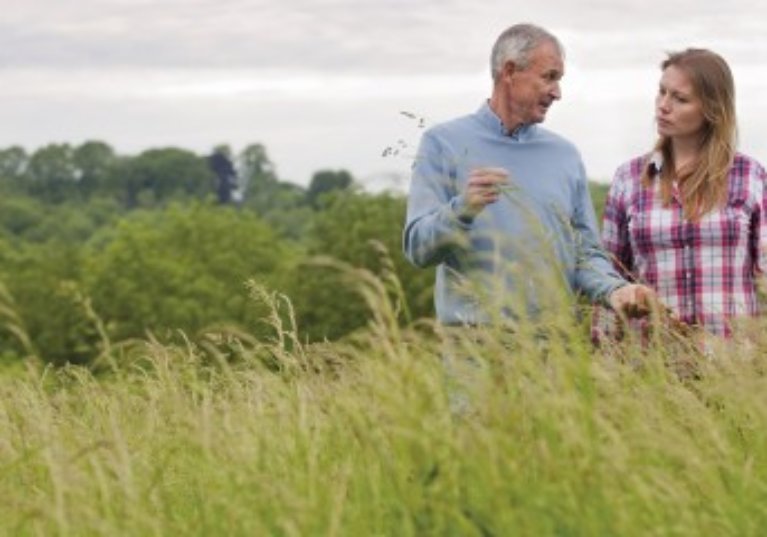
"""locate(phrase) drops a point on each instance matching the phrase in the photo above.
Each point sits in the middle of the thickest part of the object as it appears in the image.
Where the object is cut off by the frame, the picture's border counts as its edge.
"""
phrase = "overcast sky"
(323, 83)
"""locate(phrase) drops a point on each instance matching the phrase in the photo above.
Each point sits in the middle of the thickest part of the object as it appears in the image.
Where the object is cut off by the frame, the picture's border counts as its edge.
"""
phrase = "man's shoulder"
(453, 127)
(549, 136)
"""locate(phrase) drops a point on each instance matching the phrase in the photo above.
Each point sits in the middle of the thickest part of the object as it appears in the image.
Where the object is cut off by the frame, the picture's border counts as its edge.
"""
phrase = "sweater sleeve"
(595, 275)
(435, 225)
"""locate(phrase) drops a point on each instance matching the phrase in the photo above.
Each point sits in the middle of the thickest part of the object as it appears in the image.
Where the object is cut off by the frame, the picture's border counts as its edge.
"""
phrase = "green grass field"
(227, 435)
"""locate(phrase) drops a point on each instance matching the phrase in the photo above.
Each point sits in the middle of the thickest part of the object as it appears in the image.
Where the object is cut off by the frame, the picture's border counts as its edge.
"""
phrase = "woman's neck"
(686, 152)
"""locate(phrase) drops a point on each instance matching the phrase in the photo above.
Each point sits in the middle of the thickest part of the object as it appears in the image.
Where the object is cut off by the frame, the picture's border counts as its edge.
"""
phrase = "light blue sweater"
(540, 234)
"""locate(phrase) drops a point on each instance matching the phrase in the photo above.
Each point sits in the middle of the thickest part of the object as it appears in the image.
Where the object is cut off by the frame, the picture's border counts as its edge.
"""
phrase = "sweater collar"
(490, 120)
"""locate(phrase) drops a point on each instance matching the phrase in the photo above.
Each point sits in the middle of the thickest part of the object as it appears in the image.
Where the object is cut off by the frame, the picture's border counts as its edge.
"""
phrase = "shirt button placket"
(688, 266)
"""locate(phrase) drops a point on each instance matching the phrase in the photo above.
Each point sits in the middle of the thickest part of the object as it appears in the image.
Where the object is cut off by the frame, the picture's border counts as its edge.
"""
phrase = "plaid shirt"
(705, 272)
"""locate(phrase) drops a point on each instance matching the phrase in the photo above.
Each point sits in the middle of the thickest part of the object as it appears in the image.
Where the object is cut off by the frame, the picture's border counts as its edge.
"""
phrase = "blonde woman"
(688, 219)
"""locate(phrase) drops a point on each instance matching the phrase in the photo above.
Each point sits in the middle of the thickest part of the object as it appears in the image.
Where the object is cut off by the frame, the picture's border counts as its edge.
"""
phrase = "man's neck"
(501, 108)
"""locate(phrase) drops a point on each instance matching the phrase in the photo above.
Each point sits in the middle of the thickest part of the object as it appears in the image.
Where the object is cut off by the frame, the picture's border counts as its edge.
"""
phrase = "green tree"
(19, 214)
(157, 176)
(41, 278)
(326, 181)
(287, 211)
(350, 228)
(257, 178)
(94, 161)
(183, 268)
(256, 169)
(282, 204)
(51, 175)
(13, 164)
(29, 220)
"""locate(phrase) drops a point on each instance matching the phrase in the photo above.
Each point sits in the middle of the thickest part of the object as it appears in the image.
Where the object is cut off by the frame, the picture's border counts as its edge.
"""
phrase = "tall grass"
(227, 435)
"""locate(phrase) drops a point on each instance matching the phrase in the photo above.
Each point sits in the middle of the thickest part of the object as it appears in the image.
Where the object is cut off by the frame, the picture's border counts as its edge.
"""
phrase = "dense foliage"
(98, 246)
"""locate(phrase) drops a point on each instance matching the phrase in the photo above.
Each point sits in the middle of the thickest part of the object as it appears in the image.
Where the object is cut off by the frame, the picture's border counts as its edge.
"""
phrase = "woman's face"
(678, 110)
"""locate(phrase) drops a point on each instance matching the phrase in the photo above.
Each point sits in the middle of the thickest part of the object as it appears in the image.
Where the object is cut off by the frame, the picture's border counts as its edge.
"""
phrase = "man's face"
(532, 90)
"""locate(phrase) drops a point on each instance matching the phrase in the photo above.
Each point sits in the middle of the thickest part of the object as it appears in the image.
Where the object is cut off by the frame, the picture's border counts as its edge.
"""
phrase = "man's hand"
(484, 188)
(633, 300)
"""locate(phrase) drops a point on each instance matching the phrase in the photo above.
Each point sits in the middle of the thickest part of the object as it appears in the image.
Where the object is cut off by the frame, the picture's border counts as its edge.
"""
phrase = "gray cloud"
(321, 82)
(341, 35)
(335, 35)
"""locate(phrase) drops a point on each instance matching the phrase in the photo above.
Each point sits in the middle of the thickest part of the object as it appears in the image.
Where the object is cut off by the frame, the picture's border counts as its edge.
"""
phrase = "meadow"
(145, 391)
(232, 434)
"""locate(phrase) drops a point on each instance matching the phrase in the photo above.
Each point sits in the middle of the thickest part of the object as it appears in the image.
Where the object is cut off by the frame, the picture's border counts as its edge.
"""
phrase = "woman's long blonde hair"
(703, 186)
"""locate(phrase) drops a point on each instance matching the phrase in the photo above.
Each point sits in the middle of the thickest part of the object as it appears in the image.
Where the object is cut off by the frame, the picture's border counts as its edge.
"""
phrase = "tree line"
(100, 247)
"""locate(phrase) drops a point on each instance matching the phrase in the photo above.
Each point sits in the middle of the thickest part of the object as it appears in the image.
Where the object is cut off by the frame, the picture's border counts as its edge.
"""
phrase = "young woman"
(689, 219)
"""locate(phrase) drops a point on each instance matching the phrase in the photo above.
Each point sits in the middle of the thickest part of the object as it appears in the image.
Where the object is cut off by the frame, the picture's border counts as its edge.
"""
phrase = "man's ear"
(509, 68)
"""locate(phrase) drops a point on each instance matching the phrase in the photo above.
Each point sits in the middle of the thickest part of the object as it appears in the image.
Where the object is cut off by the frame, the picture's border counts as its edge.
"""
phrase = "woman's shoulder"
(747, 179)
(636, 164)
(630, 172)
(746, 165)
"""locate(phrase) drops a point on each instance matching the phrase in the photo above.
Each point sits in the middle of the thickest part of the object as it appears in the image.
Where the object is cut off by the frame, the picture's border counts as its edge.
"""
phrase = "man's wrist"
(462, 211)
(608, 295)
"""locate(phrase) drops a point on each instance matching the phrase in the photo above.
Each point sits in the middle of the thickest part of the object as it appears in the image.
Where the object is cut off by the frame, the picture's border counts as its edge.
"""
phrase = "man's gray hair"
(516, 43)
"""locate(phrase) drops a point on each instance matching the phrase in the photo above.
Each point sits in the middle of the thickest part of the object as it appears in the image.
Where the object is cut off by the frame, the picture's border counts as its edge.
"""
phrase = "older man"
(501, 205)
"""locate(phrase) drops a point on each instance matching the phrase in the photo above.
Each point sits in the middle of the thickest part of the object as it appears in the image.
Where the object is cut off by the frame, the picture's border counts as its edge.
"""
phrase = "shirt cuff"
(605, 298)
(461, 212)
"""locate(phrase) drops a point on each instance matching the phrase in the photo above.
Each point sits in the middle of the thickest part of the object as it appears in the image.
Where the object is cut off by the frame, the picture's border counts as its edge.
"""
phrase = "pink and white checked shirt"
(706, 271)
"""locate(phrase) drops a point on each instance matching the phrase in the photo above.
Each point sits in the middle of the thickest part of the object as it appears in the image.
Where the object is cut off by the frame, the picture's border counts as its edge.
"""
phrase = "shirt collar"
(656, 163)
(655, 167)
(494, 123)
